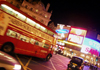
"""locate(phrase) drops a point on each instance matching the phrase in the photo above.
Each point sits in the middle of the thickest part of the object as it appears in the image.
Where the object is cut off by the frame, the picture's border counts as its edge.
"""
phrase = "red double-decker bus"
(22, 34)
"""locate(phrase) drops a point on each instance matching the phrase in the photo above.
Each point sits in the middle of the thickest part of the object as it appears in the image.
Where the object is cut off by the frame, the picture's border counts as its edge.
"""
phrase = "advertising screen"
(63, 31)
(86, 49)
(90, 46)
(75, 39)
(76, 35)
(78, 31)
(92, 43)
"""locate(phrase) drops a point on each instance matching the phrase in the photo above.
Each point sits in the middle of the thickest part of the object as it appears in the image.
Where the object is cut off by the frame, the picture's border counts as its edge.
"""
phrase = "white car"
(7, 62)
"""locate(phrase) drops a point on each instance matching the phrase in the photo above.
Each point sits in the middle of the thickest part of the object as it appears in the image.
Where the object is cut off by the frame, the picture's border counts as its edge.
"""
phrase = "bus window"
(50, 33)
(23, 38)
(17, 35)
(27, 39)
(11, 33)
(46, 46)
(32, 41)
(38, 43)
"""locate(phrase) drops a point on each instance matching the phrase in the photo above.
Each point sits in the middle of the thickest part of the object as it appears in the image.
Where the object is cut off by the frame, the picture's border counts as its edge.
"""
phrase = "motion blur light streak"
(18, 67)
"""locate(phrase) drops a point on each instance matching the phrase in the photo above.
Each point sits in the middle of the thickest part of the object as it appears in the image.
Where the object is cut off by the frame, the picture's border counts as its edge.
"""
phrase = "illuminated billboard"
(90, 46)
(79, 32)
(87, 49)
(75, 39)
(76, 35)
(92, 43)
(63, 31)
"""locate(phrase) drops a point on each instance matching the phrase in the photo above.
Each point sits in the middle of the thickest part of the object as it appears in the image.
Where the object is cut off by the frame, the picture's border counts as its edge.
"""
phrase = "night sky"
(84, 14)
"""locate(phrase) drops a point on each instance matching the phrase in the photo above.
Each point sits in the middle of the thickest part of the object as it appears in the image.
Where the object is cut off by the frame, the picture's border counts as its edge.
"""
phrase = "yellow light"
(3, 5)
(70, 43)
(17, 67)
(78, 32)
(1, 54)
(45, 15)
(42, 27)
(43, 41)
(62, 35)
(36, 10)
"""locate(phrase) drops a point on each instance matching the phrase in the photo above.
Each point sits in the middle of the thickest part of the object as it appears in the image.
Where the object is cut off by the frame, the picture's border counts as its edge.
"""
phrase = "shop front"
(89, 51)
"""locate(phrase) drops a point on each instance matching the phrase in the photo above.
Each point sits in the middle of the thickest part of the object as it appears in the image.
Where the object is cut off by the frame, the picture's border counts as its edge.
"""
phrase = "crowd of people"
(93, 67)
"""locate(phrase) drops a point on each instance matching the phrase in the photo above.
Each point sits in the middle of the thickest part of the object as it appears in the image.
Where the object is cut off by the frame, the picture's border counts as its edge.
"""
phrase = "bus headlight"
(18, 67)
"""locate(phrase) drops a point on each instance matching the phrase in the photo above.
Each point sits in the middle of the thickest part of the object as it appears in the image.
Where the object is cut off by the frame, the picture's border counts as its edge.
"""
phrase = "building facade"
(35, 9)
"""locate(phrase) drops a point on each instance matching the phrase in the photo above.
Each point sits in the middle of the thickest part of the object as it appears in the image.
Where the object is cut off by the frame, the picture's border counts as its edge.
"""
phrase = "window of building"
(33, 16)
(11, 2)
(36, 10)
(40, 13)
(31, 9)
(42, 21)
(26, 6)
(17, 6)
(45, 16)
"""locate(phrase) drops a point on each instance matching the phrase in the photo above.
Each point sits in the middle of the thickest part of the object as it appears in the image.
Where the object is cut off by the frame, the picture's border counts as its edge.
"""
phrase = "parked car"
(76, 63)
(7, 62)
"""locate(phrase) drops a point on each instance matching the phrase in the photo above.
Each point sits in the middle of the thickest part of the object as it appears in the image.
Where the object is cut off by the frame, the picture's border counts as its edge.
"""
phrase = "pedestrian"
(91, 67)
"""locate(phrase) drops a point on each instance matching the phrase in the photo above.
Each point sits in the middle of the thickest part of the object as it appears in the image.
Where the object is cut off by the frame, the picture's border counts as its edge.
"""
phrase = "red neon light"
(92, 51)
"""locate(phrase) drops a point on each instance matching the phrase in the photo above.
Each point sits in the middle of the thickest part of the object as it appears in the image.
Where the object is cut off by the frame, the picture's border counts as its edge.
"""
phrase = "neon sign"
(62, 31)
(77, 31)
(87, 49)
(76, 35)
(75, 39)
(92, 43)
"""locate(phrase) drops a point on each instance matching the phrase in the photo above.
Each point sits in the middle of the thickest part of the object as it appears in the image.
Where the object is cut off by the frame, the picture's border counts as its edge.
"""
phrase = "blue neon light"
(62, 31)
(92, 43)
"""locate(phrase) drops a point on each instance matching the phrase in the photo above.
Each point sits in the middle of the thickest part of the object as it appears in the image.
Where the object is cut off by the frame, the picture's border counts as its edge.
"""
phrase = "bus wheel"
(8, 48)
(48, 57)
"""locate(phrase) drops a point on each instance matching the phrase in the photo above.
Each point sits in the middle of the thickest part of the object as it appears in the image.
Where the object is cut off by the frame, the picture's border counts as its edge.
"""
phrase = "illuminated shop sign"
(87, 49)
(90, 46)
(76, 35)
(62, 31)
(78, 31)
(60, 43)
(92, 43)
(75, 39)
